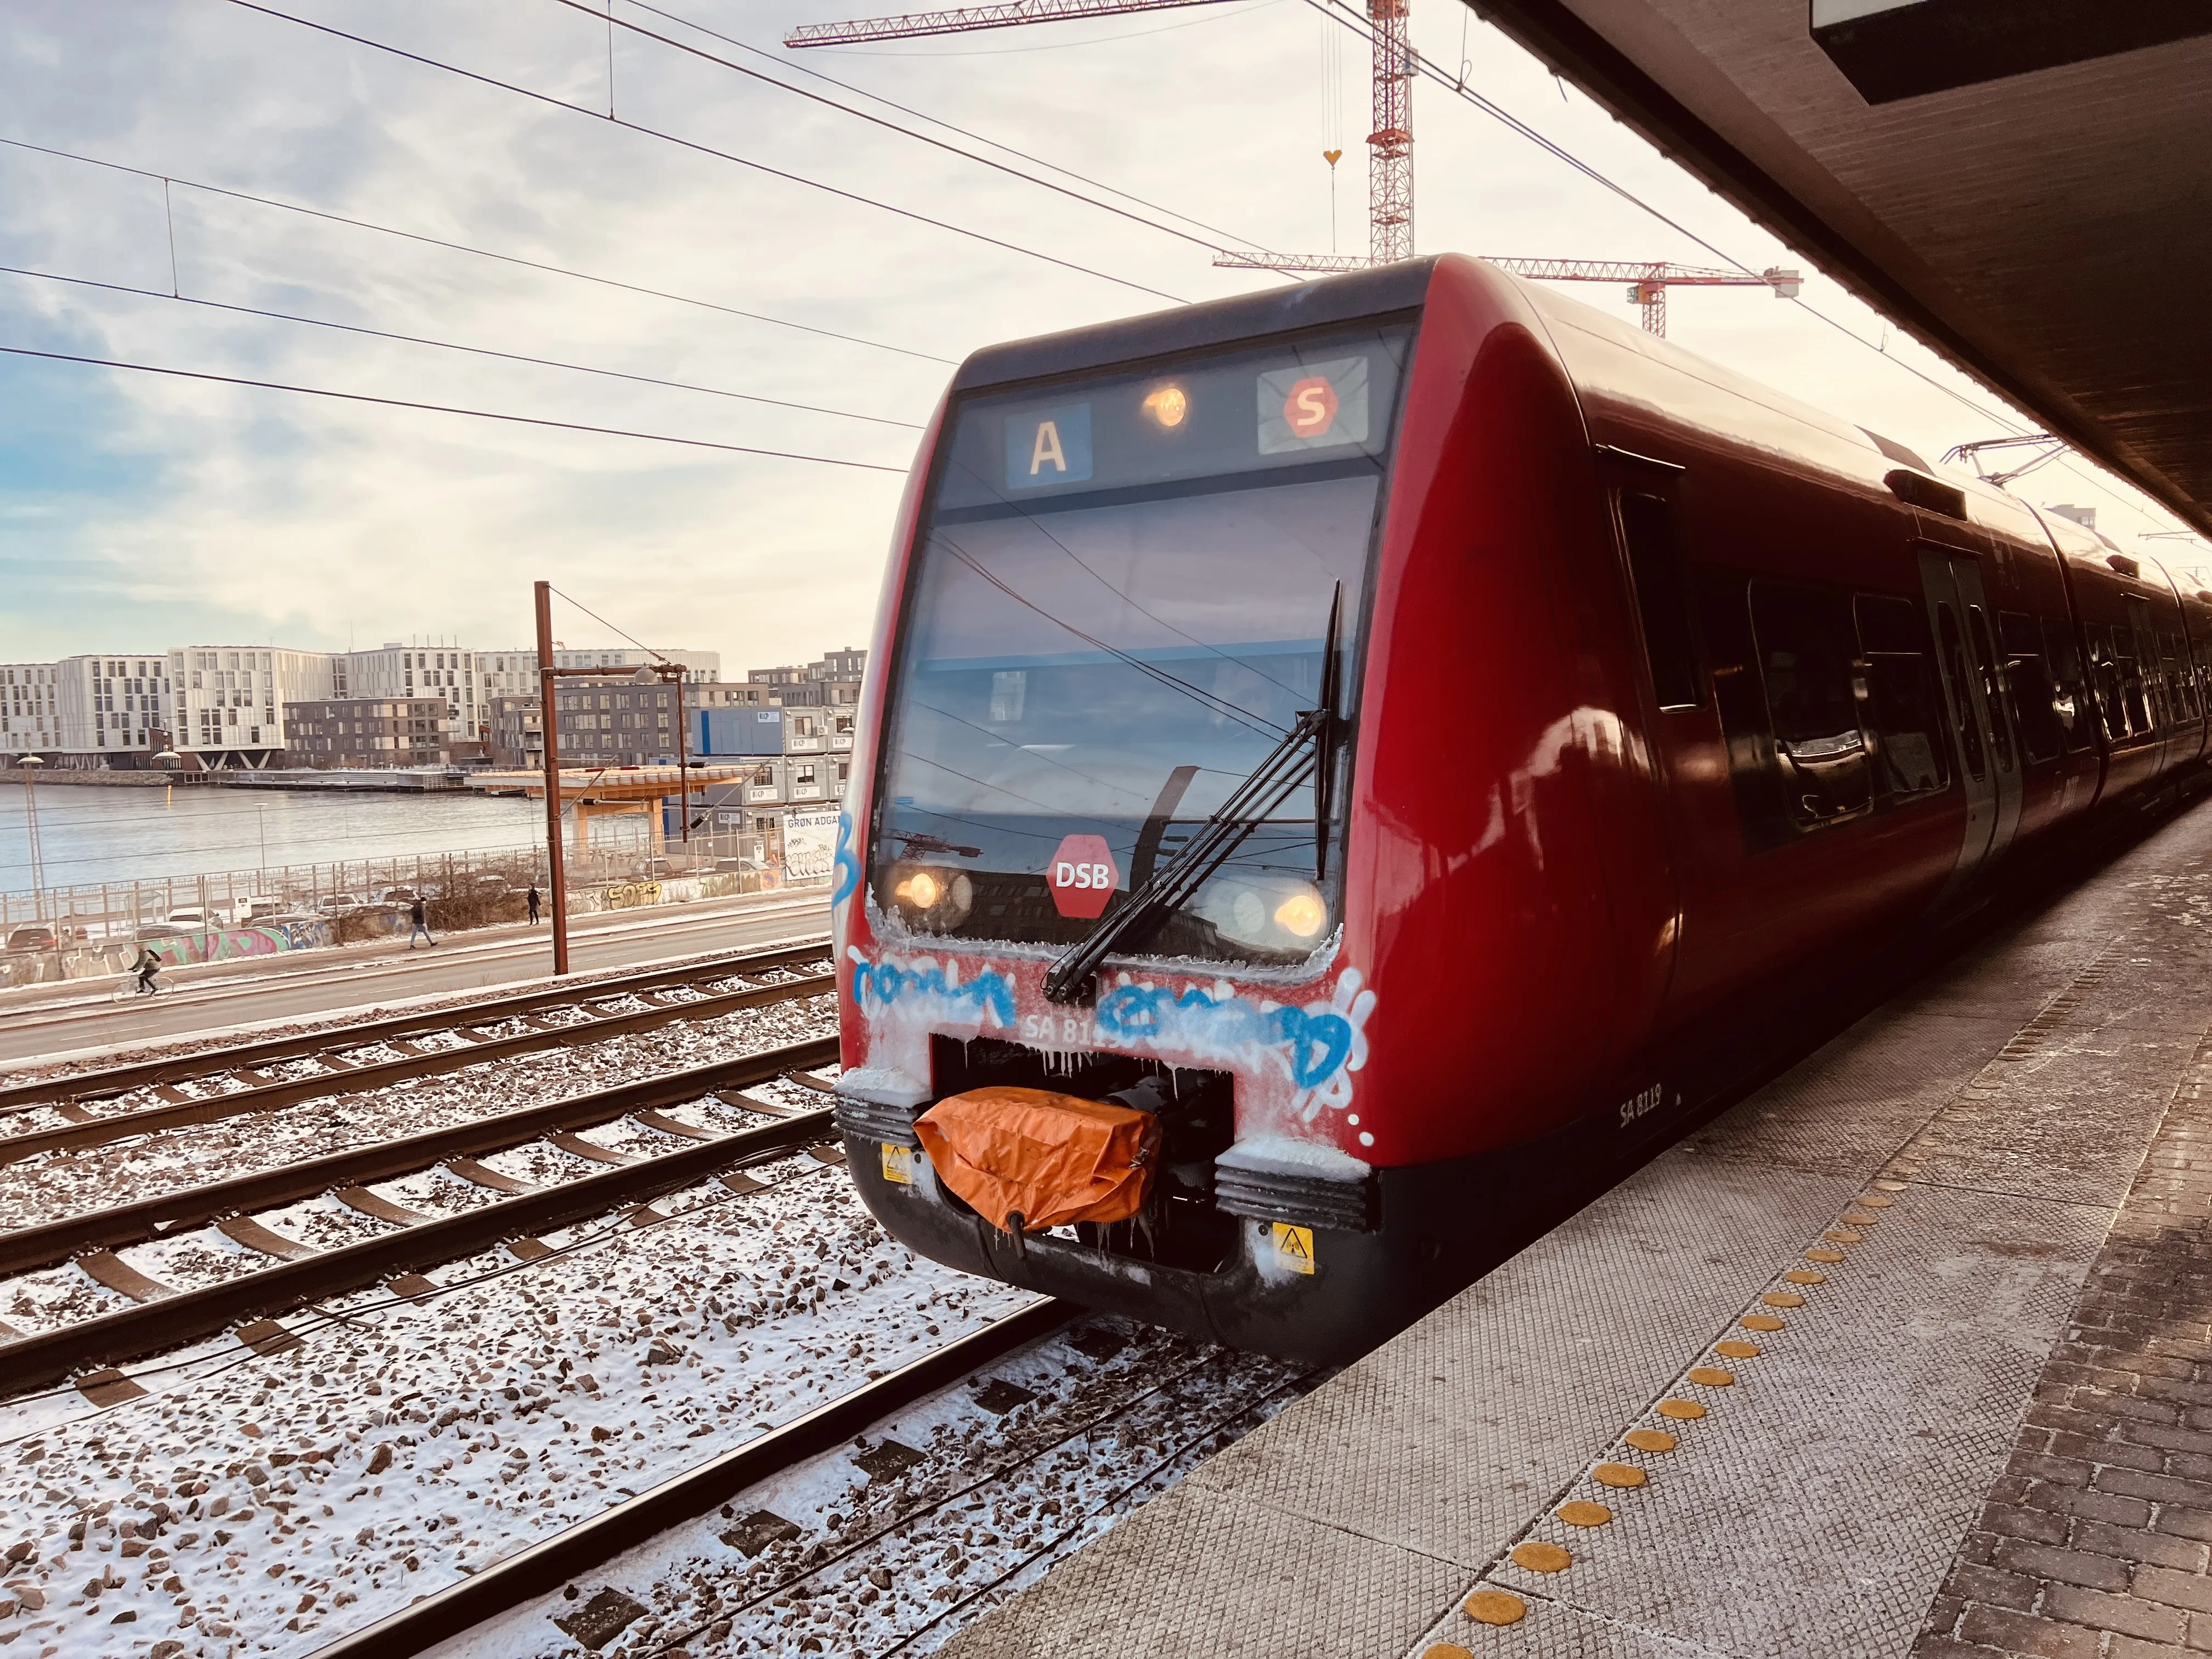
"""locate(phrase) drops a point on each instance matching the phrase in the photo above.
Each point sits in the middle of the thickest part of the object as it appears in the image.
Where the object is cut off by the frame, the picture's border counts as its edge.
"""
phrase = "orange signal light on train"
(1168, 406)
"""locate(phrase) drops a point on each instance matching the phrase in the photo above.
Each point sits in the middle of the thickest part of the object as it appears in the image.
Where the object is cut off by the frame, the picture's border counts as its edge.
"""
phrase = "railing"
(125, 910)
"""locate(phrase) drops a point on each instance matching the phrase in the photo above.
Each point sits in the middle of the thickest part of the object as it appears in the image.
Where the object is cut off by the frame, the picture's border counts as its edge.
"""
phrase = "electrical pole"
(547, 696)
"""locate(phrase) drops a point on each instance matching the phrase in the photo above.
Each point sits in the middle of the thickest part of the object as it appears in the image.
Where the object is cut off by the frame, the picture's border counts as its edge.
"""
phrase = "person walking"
(145, 968)
(531, 898)
(419, 915)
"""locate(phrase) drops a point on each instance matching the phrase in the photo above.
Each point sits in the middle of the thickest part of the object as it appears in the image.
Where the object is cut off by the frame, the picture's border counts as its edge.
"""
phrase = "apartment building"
(833, 681)
(86, 712)
(227, 703)
(699, 667)
(368, 732)
(516, 733)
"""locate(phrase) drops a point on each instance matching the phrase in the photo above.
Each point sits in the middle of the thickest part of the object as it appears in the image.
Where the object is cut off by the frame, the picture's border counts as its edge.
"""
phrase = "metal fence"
(116, 910)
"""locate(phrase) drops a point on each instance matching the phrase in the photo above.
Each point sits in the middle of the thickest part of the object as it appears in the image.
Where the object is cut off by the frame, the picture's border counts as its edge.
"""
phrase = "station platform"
(1906, 1353)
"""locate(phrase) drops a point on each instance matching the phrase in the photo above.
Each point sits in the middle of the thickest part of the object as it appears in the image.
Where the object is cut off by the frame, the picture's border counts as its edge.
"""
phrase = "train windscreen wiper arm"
(1265, 789)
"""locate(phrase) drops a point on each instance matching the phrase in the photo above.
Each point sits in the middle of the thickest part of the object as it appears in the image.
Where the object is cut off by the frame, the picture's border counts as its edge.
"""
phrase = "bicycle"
(126, 989)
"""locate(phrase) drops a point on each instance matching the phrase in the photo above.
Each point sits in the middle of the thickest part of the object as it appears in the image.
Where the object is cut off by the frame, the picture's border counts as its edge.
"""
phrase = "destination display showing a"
(1285, 405)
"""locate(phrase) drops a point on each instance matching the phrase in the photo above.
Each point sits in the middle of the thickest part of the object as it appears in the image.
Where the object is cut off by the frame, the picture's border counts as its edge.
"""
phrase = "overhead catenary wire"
(446, 409)
(701, 53)
(545, 266)
(604, 622)
(450, 345)
(1228, 238)
(699, 148)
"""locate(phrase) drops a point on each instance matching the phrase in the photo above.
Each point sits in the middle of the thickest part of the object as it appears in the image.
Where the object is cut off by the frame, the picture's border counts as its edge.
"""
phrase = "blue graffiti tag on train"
(929, 989)
(1318, 1045)
(849, 863)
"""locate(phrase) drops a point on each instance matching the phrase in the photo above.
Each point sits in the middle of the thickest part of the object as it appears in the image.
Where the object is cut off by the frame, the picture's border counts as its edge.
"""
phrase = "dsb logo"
(1082, 877)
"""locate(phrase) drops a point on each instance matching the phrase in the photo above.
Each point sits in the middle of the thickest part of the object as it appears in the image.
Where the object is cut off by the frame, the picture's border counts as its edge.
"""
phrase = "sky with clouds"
(139, 511)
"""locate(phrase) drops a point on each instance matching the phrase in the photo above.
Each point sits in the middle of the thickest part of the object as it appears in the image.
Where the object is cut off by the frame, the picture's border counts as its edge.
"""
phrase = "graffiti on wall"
(264, 939)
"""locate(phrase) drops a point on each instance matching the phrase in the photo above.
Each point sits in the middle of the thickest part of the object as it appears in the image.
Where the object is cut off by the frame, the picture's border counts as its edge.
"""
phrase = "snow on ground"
(58, 1184)
(935, 1516)
(263, 1505)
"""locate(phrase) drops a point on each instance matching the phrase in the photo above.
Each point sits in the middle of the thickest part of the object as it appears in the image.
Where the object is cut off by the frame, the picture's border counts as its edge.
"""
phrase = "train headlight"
(1302, 914)
(1274, 916)
(1168, 406)
(935, 899)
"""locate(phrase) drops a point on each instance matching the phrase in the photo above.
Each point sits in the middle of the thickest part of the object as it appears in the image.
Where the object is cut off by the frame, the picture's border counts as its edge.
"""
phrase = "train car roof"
(1614, 361)
(1357, 296)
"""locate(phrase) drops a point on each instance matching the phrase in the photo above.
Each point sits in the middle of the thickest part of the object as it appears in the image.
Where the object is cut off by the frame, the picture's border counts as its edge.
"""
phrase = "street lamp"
(30, 764)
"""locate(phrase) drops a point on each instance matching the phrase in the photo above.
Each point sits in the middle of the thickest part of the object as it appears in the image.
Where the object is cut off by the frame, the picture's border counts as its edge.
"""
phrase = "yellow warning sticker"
(898, 1163)
(1294, 1246)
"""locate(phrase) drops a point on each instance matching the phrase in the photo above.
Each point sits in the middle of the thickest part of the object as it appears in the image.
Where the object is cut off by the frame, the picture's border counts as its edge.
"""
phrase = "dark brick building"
(368, 732)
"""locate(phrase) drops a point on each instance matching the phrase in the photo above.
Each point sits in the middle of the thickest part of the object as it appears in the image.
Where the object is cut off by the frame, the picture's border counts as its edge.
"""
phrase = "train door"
(1958, 616)
(1646, 511)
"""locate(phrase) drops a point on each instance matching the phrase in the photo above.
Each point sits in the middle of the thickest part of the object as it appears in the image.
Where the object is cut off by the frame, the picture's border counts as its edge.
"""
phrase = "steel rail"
(270, 1096)
(40, 1361)
(545, 1567)
(183, 1068)
(25, 1250)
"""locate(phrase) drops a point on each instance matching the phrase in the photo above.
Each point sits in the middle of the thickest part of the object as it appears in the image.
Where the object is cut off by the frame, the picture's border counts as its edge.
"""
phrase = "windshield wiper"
(1310, 744)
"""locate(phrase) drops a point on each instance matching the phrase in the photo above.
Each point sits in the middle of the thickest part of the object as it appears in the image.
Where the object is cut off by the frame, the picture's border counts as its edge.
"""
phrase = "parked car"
(260, 908)
(34, 936)
(164, 929)
(399, 895)
(338, 904)
(197, 918)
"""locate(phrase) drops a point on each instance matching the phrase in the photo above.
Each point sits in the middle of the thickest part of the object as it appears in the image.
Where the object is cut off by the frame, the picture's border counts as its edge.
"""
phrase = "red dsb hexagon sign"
(1082, 876)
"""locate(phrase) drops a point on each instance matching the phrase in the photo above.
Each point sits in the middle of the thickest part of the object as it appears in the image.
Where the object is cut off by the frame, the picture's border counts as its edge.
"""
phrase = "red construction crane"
(1648, 283)
(1389, 145)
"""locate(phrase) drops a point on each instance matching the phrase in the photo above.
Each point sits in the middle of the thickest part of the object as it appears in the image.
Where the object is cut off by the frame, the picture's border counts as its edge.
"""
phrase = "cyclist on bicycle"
(145, 968)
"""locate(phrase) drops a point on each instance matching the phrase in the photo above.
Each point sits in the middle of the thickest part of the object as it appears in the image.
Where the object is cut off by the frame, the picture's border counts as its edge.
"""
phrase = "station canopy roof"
(613, 783)
(2026, 187)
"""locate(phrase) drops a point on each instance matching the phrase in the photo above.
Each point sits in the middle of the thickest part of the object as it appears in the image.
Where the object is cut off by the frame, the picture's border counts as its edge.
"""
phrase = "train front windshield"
(1120, 607)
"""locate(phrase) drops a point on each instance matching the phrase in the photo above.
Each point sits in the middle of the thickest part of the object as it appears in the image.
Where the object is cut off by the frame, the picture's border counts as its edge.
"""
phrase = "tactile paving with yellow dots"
(1961, 1150)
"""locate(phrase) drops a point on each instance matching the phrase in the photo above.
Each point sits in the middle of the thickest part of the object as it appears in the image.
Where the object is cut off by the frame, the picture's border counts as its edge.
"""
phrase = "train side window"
(1662, 596)
(2069, 696)
(1904, 708)
(1806, 650)
(2181, 683)
(1993, 698)
(1954, 669)
(2104, 680)
(2034, 702)
(2127, 670)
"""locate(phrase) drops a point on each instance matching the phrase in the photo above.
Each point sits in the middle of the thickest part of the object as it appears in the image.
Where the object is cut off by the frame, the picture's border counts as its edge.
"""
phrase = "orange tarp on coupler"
(1055, 1158)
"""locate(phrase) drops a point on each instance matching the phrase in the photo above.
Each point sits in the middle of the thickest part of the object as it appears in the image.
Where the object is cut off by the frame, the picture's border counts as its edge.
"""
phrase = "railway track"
(183, 1068)
(544, 1568)
(299, 1274)
(81, 1127)
(902, 1506)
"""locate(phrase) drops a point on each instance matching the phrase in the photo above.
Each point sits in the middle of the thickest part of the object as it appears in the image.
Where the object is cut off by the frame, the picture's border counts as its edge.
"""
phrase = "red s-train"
(1401, 731)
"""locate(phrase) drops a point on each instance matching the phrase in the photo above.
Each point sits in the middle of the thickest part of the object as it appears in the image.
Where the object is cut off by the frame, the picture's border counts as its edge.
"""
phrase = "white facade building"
(228, 704)
(701, 667)
(30, 708)
(229, 701)
(85, 711)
